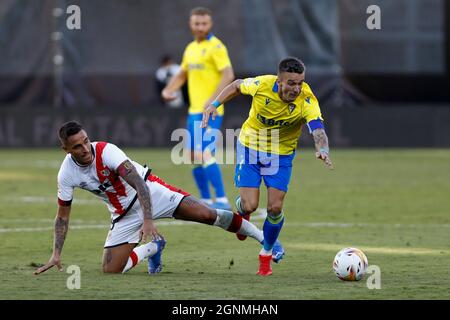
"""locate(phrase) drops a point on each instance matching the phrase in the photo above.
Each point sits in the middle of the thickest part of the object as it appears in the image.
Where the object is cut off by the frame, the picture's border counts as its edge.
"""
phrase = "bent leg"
(275, 218)
(249, 200)
(115, 258)
(191, 209)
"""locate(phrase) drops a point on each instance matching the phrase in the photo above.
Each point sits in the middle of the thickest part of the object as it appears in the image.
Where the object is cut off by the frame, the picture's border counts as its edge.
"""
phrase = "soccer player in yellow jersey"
(207, 69)
(281, 104)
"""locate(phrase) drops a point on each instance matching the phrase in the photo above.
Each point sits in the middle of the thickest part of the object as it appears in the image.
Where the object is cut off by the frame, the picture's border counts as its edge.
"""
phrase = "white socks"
(222, 200)
(140, 253)
(230, 221)
(209, 202)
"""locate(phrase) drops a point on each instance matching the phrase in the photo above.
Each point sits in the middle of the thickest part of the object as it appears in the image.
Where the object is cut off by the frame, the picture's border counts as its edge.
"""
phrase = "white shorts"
(165, 200)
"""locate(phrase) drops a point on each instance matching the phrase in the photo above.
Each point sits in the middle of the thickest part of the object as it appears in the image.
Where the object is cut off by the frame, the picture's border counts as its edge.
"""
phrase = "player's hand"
(168, 96)
(54, 261)
(325, 157)
(210, 110)
(149, 229)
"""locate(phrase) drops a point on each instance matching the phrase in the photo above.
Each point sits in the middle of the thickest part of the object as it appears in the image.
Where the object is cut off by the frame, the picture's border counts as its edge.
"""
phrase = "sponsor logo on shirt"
(272, 122)
(196, 66)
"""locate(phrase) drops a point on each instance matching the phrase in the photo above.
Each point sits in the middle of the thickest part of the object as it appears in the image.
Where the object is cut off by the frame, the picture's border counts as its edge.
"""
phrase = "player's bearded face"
(79, 146)
(290, 85)
(200, 26)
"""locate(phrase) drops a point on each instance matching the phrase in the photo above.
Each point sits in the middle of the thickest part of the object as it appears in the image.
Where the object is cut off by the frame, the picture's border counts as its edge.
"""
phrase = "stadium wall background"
(374, 126)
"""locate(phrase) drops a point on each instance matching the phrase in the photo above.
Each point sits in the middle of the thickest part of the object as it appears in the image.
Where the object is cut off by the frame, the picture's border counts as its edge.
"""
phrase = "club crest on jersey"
(105, 172)
(291, 107)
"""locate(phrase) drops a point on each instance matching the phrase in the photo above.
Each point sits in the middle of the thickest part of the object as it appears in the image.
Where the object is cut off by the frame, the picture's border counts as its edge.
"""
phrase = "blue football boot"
(155, 261)
(277, 252)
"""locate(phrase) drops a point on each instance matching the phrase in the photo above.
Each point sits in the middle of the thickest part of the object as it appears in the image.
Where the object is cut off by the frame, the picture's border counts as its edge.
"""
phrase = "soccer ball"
(350, 264)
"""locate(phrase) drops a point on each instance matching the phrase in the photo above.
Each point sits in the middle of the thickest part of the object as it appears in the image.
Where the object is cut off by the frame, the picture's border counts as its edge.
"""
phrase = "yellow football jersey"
(203, 62)
(275, 126)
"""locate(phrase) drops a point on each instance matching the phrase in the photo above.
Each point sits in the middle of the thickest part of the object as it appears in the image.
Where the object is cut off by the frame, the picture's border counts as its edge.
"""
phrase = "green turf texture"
(394, 204)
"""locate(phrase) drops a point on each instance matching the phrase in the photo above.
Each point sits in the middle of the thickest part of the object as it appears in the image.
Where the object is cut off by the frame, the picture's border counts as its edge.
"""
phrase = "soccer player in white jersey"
(134, 197)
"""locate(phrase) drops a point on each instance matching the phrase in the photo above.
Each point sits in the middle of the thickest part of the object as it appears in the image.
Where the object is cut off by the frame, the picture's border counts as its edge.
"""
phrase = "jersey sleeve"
(113, 156)
(220, 57)
(250, 86)
(65, 188)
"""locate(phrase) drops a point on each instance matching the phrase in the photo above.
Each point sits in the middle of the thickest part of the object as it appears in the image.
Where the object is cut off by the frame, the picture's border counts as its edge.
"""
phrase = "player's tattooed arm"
(128, 172)
(322, 148)
(61, 227)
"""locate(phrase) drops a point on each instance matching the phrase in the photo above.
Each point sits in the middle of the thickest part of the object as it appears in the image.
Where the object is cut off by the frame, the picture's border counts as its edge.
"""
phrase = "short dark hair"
(69, 129)
(200, 11)
(291, 64)
(166, 59)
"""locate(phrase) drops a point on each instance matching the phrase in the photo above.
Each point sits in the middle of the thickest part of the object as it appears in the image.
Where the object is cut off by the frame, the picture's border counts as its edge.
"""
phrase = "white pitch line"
(53, 164)
(259, 216)
(367, 249)
(86, 226)
(37, 199)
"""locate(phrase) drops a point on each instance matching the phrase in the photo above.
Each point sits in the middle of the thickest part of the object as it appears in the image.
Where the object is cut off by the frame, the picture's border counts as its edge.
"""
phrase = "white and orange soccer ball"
(350, 264)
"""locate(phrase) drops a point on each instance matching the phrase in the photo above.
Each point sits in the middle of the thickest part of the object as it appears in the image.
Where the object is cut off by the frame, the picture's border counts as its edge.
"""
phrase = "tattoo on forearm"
(61, 226)
(144, 198)
(320, 139)
(128, 172)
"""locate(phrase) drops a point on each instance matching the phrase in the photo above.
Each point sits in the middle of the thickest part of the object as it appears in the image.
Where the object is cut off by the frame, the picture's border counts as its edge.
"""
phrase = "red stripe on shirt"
(117, 184)
(153, 178)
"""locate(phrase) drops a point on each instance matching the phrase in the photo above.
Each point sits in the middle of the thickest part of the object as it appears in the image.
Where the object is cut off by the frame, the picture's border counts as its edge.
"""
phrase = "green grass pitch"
(394, 204)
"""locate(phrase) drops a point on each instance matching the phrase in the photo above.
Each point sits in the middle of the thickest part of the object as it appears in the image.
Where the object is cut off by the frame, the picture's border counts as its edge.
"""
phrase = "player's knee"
(248, 206)
(111, 269)
(275, 209)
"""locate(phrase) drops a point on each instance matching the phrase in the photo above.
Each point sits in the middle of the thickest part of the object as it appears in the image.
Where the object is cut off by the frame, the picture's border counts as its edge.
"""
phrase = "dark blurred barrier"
(390, 126)
(112, 59)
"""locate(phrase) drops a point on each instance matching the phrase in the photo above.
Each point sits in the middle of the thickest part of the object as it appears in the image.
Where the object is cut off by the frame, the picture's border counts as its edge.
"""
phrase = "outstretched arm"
(128, 172)
(230, 91)
(175, 83)
(322, 148)
(61, 228)
(225, 80)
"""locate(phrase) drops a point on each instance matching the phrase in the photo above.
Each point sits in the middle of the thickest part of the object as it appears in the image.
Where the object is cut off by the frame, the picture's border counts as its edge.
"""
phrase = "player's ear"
(63, 146)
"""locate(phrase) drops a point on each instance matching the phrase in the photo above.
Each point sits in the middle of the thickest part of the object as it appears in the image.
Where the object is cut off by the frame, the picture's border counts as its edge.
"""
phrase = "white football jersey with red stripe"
(99, 177)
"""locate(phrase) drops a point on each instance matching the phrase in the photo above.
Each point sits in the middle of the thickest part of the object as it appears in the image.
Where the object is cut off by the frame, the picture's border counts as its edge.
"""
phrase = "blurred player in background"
(207, 69)
(281, 104)
(164, 73)
(134, 197)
